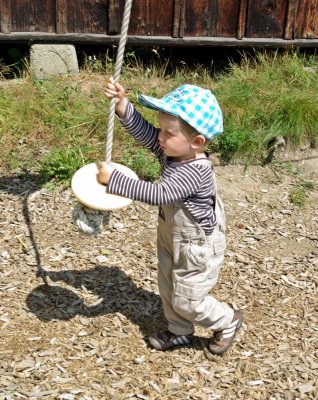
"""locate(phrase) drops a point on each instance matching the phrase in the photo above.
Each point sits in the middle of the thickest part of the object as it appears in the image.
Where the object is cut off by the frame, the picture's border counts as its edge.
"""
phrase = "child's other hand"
(116, 90)
(104, 172)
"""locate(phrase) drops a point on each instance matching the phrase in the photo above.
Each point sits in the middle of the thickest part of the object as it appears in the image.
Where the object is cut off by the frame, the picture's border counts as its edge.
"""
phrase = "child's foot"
(222, 340)
(166, 340)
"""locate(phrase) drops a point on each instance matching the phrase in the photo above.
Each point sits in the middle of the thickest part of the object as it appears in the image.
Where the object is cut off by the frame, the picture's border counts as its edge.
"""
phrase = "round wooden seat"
(93, 194)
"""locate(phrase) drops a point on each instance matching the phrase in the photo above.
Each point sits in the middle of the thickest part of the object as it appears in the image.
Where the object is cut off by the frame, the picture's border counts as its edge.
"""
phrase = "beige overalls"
(189, 264)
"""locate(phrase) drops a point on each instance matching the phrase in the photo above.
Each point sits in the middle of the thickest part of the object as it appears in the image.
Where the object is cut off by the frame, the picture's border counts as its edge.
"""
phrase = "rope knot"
(88, 220)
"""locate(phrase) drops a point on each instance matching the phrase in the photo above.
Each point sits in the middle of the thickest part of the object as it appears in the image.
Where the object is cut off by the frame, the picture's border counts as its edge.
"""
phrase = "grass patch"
(300, 190)
(299, 194)
(56, 125)
(142, 162)
(61, 164)
(265, 98)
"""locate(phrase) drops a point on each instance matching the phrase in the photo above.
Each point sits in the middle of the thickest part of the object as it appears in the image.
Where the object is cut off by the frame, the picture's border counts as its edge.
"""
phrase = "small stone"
(101, 259)
(306, 388)
(119, 225)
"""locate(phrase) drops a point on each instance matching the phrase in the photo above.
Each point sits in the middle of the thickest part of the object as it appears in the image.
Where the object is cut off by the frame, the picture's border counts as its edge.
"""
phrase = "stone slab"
(53, 59)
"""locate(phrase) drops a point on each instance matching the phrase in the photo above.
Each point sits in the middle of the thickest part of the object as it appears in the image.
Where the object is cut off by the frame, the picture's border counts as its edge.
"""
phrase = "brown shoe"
(222, 340)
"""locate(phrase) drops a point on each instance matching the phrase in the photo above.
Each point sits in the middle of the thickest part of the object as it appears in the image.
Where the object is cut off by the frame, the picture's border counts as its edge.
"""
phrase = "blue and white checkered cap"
(196, 106)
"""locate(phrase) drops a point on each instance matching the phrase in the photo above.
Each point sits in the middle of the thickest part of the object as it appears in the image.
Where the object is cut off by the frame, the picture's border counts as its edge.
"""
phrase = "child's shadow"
(115, 291)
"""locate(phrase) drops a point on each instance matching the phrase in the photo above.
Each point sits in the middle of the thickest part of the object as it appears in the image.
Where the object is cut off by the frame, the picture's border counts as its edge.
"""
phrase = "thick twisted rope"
(87, 220)
(118, 65)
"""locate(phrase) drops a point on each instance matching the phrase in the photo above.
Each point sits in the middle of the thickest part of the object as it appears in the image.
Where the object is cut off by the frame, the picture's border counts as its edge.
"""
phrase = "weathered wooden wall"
(180, 22)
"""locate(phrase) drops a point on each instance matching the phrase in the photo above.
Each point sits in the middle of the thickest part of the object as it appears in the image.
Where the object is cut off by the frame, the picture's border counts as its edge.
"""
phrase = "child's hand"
(104, 172)
(116, 90)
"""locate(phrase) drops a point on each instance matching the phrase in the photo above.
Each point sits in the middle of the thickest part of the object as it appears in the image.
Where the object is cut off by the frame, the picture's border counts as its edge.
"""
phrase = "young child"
(191, 226)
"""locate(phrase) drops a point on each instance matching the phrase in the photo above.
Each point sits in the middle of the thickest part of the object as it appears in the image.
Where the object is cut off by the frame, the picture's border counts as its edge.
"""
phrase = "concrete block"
(53, 59)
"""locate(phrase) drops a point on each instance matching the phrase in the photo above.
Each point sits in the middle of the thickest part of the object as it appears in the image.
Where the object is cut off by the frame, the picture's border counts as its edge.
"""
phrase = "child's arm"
(145, 133)
(182, 183)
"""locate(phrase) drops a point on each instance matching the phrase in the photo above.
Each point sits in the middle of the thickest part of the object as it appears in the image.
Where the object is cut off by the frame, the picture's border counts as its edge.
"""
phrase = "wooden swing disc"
(93, 194)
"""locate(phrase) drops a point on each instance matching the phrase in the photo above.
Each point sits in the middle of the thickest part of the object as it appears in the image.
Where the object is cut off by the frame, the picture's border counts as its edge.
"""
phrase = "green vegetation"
(61, 164)
(57, 125)
(265, 98)
(300, 188)
(298, 194)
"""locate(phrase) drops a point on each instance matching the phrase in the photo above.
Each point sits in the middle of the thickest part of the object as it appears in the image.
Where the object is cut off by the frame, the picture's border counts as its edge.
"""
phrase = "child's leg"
(176, 323)
(180, 330)
(201, 258)
(195, 275)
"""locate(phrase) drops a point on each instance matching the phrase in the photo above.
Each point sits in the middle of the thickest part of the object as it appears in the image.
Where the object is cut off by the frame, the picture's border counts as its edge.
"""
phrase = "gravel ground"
(75, 310)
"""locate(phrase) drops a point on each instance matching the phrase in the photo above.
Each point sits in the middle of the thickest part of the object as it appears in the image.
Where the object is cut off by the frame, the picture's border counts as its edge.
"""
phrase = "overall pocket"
(198, 252)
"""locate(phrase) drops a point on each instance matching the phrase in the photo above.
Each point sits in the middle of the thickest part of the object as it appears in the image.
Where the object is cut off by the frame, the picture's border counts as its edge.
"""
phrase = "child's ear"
(198, 141)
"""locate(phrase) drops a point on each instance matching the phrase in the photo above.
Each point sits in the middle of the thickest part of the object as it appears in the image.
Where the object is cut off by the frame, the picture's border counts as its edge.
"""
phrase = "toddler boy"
(191, 225)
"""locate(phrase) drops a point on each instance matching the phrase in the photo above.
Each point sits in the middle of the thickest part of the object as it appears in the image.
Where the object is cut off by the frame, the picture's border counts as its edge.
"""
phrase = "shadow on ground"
(116, 292)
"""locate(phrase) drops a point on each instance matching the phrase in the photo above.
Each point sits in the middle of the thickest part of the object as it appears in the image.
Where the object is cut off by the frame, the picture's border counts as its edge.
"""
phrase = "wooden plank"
(32, 16)
(182, 19)
(306, 24)
(178, 18)
(197, 18)
(214, 17)
(151, 17)
(115, 15)
(265, 18)
(134, 40)
(211, 18)
(242, 19)
(290, 19)
(5, 16)
(61, 16)
(87, 16)
(228, 17)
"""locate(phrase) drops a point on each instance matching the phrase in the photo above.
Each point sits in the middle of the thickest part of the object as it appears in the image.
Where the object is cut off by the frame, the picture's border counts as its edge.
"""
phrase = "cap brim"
(155, 104)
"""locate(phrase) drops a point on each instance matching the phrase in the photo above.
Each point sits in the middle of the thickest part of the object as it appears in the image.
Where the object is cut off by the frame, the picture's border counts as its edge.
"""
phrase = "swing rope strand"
(87, 219)
(118, 65)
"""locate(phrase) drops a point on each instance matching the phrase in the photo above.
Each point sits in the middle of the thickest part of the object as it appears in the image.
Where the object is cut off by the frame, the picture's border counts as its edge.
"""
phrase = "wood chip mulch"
(75, 311)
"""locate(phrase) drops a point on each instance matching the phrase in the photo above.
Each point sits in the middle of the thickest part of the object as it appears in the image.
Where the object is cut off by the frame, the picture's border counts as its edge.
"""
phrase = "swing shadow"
(116, 291)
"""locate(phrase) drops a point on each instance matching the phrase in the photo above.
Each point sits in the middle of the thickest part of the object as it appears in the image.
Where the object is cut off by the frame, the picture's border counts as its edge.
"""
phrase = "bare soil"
(75, 310)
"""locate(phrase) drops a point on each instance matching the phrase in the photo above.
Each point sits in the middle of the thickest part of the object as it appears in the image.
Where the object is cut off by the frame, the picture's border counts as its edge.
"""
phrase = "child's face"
(173, 138)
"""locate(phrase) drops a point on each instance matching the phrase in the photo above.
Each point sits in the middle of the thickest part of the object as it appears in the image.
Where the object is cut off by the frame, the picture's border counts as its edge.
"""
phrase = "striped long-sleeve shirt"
(189, 181)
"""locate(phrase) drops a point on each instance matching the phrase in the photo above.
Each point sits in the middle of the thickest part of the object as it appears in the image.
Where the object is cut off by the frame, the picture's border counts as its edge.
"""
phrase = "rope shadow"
(23, 186)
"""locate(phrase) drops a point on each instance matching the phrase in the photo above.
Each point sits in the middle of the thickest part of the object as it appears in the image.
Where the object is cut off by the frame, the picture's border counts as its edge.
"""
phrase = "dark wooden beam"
(81, 38)
(5, 16)
(242, 19)
(178, 18)
(292, 8)
(306, 21)
(115, 14)
(61, 16)
(182, 19)
(214, 17)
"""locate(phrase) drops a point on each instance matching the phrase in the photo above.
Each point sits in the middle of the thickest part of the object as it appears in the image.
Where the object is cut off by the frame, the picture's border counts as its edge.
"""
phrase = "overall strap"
(218, 203)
